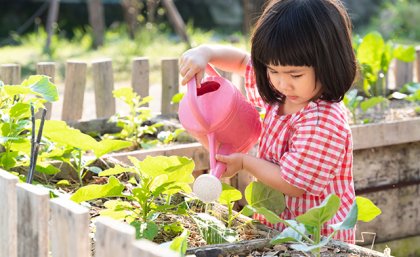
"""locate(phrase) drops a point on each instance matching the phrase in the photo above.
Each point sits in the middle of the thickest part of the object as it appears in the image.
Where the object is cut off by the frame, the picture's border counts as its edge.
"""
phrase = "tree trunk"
(131, 11)
(97, 21)
(51, 21)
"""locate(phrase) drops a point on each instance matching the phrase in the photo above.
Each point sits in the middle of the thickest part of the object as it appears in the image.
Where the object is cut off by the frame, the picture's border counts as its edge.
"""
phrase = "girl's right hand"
(193, 63)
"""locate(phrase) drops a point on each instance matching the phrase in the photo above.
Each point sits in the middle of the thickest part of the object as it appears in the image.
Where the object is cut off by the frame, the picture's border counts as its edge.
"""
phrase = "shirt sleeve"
(315, 154)
(251, 87)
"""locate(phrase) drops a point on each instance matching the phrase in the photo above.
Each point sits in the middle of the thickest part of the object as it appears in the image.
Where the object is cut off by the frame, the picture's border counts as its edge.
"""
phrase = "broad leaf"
(113, 188)
(43, 86)
(349, 221)
(229, 194)
(367, 210)
(289, 234)
(317, 216)
(258, 194)
(108, 145)
(118, 169)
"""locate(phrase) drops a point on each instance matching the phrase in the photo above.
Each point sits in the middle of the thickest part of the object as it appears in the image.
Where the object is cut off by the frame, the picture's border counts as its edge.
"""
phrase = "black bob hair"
(315, 33)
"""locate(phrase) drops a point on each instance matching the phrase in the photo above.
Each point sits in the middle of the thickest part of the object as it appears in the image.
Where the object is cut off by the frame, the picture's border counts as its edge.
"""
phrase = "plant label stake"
(35, 143)
(219, 117)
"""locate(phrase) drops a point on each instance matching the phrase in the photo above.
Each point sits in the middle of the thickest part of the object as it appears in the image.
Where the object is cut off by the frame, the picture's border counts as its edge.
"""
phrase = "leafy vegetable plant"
(133, 123)
(311, 222)
(15, 123)
(158, 179)
(374, 56)
(355, 103)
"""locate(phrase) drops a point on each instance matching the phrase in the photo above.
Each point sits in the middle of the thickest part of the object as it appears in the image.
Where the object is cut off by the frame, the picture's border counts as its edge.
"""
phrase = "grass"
(149, 42)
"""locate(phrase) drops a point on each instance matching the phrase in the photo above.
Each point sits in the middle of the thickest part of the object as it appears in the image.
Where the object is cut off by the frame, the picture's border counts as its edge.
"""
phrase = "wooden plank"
(140, 76)
(403, 73)
(146, 248)
(74, 91)
(69, 229)
(103, 82)
(382, 134)
(8, 219)
(170, 85)
(193, 150)
(48, 69)
(32, 216)
(10, 74)
(383, 168)
(113, 238)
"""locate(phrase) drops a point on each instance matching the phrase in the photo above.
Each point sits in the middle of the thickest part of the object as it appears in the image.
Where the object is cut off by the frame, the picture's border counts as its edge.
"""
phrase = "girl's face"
(297, 83)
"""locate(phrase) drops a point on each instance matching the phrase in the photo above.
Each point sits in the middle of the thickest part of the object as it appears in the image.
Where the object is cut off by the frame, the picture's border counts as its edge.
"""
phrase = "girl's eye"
(296, 76)
(272, 71)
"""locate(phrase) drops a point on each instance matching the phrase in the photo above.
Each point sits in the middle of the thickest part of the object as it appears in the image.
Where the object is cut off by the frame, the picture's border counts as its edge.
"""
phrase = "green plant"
(159, 179)
(133, 124)
(305, 230)
(374, 56)
(15, 123)
(73, 147)
(356, 103)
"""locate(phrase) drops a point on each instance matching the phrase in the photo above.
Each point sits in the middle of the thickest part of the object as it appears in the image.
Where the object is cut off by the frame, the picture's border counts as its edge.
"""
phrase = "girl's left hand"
(234, 163)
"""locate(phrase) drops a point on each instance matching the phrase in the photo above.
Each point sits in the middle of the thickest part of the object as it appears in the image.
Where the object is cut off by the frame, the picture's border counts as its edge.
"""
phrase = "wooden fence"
(103, 82)
(32, 224)
(76, 73)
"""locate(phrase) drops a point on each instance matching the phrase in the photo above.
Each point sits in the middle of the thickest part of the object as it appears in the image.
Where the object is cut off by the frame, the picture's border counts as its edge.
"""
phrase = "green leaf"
(148, 230)
(20, 111)
(179, 244)
(58, 131)
(272, 217)
(177, 98)
(229, 194)
(118, 169)
(318, 215)
(370, 51)
(258, 194)
(179, 169)
(349, 221)
(289, 234)
(405, 53)
(371, 102)
(367, 210)
(108, 145)
(113, 188)
(308, 248)
(47, 168)
(43, 86)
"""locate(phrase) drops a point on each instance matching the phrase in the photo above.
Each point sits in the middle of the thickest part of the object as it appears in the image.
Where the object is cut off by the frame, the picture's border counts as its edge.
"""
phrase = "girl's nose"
(283, 85)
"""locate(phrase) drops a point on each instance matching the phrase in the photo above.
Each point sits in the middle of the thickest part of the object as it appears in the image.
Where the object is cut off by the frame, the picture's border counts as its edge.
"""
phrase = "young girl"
(301, 65)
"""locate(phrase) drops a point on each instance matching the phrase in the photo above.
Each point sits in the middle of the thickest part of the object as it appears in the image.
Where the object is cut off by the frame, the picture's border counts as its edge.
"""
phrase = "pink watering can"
(223, 121)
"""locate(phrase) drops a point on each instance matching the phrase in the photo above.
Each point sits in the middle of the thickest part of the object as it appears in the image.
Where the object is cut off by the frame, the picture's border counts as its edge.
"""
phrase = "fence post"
(8, 219)
(418, 63)
(74, 91)
(170, 85)
(147, 248)
(69, 229)
(10, 74)
(113, 238)
(403, 73)
(48, 69)
(32, 217)
(103, 81)
(140, 76)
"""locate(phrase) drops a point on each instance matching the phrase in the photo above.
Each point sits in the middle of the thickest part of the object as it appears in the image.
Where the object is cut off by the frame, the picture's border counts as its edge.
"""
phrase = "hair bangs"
(286, 42)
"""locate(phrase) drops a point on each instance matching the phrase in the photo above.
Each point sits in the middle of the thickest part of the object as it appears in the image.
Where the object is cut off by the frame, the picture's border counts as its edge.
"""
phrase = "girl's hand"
(234, 163)
(193, 63)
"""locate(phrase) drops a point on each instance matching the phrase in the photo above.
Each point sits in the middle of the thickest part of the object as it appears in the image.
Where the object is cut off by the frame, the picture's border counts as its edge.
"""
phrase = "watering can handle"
(192, 97)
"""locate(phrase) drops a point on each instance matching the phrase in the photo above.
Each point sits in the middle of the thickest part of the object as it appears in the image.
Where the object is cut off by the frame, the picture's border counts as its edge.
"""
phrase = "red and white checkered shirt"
(314, 150)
